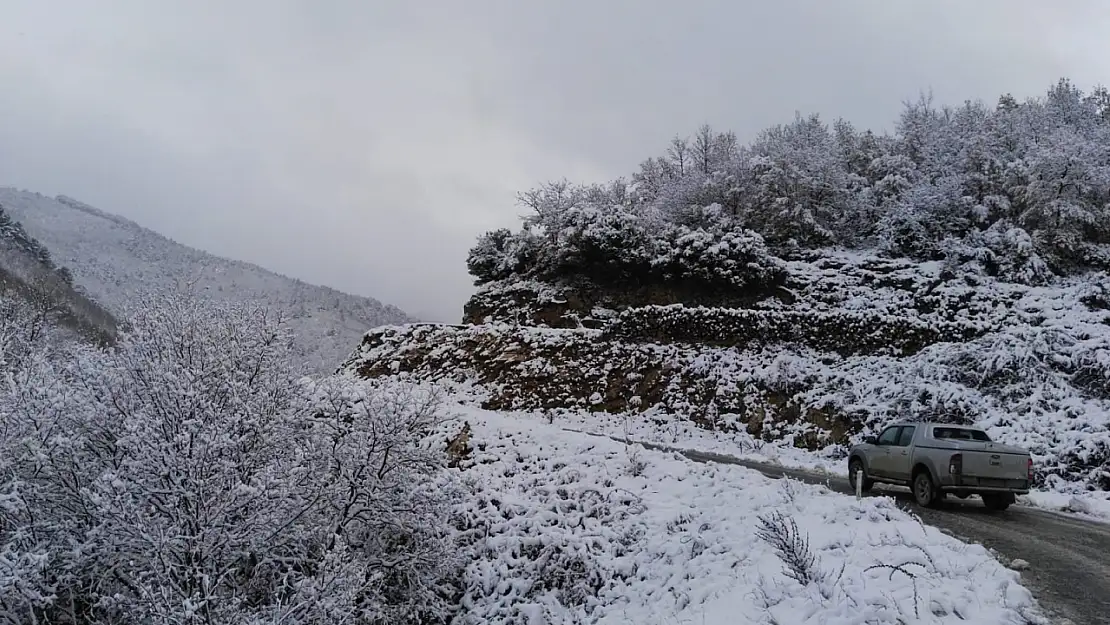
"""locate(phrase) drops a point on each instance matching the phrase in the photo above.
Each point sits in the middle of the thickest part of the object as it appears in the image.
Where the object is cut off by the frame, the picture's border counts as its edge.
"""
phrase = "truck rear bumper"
(974, 490)
(971, 483)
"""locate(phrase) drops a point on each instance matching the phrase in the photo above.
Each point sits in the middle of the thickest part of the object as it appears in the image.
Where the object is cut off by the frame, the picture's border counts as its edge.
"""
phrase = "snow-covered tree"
(800, 185)
(191, 475)
(25, 372)
(969, 174)
(14, 233)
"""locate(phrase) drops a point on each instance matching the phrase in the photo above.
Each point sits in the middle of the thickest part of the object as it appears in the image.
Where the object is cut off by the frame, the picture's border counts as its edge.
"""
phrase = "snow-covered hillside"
(863, 340)
(813, 285)
(117, 262)
(562, 528)
(30, 280)
(395, 503)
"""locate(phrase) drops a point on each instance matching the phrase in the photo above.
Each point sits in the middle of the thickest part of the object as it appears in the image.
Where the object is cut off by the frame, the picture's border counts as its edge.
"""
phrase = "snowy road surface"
(1069, 558)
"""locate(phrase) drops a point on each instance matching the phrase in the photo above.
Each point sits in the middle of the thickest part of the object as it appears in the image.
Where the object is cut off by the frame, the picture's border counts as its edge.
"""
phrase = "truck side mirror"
(871, 440)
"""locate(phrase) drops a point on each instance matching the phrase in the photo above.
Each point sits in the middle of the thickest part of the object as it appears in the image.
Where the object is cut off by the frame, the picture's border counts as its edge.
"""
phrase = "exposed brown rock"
(523, 368)
(458, 447)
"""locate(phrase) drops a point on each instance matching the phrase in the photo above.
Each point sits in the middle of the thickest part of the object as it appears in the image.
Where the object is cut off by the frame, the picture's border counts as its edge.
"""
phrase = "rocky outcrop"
(525, 368)
(846, 343)
(528, 302)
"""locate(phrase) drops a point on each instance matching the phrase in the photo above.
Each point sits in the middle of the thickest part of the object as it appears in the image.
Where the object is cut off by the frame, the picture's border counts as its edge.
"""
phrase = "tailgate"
(995, 465)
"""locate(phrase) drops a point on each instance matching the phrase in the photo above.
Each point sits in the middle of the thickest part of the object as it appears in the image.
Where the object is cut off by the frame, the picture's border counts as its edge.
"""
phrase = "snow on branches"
(191, 475)
(1023, 188)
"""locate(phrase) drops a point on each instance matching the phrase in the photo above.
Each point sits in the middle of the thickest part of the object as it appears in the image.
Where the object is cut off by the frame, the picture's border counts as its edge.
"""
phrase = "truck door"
(879, 459)
(901, 458)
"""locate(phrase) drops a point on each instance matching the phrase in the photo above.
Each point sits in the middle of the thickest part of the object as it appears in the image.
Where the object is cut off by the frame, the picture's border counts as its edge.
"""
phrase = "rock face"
(528, 368)
(842, 332)
(845, 343)
(458, 447)
(529, 302)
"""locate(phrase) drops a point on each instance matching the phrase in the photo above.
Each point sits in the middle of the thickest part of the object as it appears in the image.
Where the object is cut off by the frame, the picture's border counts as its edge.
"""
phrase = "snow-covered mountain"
(39, 297)
(116, 261)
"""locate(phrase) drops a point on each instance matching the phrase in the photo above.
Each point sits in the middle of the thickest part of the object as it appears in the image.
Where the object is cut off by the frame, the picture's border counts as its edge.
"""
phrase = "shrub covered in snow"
(499, 255)
(585, 243)
(1003, 251)
(186, 475)
(716, 259)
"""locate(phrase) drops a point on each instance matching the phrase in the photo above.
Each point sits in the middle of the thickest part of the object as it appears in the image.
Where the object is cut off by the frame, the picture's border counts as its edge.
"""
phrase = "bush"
(189, 474)
(500, 254)
(729, 259)
(1003, 251)
(612, 247)
(602, 244)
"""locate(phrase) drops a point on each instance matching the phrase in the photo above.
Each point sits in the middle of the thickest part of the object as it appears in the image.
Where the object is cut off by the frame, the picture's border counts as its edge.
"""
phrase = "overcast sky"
(363, 144)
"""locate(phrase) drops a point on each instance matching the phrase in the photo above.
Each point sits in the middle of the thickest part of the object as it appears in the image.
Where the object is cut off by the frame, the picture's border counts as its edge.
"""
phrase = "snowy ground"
(683, 434)
(571, 528)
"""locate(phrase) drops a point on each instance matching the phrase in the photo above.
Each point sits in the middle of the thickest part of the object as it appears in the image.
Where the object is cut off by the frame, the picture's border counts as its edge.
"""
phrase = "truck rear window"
(961, 434)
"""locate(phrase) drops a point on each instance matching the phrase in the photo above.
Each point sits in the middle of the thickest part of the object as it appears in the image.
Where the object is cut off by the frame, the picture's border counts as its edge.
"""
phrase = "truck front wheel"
(855, 467)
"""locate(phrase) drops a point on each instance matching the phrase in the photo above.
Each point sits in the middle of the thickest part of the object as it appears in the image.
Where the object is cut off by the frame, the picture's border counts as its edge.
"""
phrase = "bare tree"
(679, 154)
(704, 148)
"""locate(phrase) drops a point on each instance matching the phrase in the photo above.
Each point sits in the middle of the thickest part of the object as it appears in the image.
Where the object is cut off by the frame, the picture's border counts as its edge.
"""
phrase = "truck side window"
(906, 437)
(964, 434)
(889, 436)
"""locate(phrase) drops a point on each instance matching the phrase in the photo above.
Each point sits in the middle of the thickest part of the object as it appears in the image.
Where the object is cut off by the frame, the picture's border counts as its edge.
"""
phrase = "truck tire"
(857, 465)
(997, 502)
(924, 489)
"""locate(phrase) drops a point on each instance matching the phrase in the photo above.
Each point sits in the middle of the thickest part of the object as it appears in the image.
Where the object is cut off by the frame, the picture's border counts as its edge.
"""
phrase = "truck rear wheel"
(924, 490)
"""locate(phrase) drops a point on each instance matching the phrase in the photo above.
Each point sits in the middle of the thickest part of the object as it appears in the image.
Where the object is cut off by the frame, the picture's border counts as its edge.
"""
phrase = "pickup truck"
(935, 459)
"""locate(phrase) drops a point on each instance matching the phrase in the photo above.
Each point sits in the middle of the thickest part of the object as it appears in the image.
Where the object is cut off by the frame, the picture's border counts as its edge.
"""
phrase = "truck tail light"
(956, 464)
(1030, 469)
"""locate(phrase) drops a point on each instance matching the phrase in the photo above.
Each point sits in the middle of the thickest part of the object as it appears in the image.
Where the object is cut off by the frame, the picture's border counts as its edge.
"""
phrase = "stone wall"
(524, 368)
(843, 332)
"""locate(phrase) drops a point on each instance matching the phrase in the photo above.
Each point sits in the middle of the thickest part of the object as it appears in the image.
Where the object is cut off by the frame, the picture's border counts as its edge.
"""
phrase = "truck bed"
(987, 464)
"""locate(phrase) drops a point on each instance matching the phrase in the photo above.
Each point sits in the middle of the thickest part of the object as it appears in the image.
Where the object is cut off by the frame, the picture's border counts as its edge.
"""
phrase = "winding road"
(1069, 558)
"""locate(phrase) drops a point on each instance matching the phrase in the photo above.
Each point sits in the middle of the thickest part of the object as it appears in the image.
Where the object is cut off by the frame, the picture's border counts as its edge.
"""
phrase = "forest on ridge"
(1020, 189)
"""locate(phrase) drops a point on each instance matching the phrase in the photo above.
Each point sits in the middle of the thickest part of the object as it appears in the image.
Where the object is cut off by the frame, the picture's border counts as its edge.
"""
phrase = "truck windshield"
(964, 434)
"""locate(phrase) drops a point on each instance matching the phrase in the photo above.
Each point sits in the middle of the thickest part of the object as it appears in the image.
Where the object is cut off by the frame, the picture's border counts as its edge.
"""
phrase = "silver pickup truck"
(935, 459)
